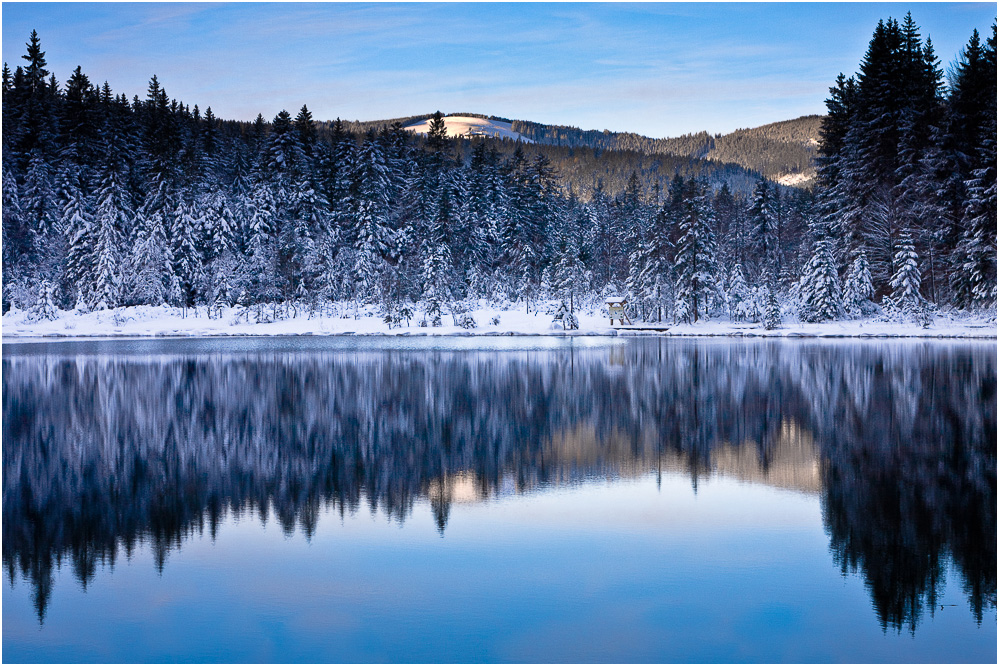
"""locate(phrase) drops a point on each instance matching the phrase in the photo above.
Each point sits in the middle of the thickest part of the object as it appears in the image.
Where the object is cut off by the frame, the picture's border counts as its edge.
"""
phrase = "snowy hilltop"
(469, 126)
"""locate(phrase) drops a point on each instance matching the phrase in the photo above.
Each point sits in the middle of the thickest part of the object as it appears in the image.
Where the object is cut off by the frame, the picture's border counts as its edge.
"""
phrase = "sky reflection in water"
(653, 500)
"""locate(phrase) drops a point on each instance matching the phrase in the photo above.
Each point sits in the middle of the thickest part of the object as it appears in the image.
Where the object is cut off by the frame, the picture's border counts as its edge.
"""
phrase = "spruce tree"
(905, 283)
(739, 296)
(858, 289)
(437, 263)
(696, 260)
(820, 285)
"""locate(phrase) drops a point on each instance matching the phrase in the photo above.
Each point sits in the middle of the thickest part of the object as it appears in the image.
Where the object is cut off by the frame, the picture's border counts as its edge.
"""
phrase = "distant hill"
(587, 159)
(782, 151)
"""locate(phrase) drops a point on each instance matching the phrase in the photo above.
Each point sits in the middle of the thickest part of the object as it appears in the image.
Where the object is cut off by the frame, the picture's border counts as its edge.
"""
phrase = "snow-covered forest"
(110, 202)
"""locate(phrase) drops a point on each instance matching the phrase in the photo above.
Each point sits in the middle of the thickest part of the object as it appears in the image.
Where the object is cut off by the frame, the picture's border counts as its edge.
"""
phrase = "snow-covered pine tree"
(905, 283)
(820, 286)
(656, 270)
(45, 307)
(696, 255)
(374, 237)
(762, 220)
(38, 198)
(186, 258)
(975, 255)
(77, 222)
(12, 217)
(437, 263)
(771, 306)
(112, 214)
(858, 289)
(738, 295)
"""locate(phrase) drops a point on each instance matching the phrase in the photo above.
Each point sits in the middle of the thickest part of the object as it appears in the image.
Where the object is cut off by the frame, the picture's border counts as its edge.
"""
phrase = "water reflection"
(102, 452)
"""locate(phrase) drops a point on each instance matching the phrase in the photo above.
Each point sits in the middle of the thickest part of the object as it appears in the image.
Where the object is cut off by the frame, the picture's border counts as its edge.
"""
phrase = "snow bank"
(165, 321)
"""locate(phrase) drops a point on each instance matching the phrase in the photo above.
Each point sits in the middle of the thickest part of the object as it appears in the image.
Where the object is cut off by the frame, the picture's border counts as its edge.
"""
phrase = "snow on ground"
(165, 321)
(792, 179)
(463, 125)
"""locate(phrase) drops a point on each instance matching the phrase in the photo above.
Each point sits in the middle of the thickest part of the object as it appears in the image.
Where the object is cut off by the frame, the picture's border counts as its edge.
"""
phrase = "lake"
(499, 499)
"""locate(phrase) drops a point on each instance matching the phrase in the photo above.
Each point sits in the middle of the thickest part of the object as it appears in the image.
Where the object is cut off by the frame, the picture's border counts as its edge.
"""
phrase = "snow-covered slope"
(469, 126)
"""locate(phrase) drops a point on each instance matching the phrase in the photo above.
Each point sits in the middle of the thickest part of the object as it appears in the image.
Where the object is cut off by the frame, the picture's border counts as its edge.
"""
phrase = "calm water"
(499, 499)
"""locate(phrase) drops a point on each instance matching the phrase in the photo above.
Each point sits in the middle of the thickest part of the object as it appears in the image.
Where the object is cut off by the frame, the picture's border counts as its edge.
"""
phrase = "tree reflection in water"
(103, 452)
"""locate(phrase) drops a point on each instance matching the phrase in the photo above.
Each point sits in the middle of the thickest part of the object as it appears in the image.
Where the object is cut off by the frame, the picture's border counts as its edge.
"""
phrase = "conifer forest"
(111, 202)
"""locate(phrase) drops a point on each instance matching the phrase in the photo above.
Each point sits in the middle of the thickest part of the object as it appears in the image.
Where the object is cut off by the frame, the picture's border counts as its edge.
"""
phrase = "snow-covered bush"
(495, 321)
(20, 296)
(466, 320)
(119, 318)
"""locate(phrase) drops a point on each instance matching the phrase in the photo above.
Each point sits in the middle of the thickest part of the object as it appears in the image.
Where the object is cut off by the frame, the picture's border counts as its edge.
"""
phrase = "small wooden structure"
(616, 309)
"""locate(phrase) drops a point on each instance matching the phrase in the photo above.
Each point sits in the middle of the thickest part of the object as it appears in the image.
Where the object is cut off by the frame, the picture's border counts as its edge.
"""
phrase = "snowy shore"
(165, 321)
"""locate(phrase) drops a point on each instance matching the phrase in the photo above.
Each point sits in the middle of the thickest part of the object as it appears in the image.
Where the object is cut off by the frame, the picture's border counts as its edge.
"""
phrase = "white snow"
(165, 321)
(792, 179)
(465, 125)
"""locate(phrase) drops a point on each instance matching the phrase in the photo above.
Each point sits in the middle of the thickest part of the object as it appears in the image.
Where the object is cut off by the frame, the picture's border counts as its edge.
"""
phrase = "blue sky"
(656, 69)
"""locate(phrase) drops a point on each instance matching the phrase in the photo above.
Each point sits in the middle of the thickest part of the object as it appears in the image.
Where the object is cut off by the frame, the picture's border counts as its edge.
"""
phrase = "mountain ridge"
(782, 151)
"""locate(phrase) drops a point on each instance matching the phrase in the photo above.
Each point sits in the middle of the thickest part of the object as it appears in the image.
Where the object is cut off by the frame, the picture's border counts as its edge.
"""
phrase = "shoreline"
(164, 322)
(776, 334)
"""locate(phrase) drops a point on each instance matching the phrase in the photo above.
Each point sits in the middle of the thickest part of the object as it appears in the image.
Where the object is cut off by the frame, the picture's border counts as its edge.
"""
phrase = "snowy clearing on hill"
(792, 179)
(343, 319)
(469, 126)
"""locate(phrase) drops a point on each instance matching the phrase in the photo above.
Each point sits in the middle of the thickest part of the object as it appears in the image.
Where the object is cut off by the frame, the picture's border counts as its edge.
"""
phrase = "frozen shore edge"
(778, 334)
(164, 322)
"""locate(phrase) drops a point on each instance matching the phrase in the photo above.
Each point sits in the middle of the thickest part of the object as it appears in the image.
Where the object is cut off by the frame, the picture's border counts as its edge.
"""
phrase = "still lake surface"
(499, 499)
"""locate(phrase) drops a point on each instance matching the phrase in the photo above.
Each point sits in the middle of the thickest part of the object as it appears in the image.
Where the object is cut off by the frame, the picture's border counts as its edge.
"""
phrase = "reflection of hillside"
(791, 462)
(103, 452)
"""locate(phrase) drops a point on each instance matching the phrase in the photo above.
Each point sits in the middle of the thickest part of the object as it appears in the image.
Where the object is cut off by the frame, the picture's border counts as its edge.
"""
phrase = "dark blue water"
(502, 499)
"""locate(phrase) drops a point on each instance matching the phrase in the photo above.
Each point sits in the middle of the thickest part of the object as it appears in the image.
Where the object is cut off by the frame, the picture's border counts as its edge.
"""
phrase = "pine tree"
(77, 223)
(13, 222)
(696, 259)
(905, 283)
(375, 238)
(820, 286)
(306, 129)
(858, 289)
(739, 296)
(762, 216)
(186, 258)
(45, 308)
(437, 141)
(771, 306)
(437, 263)
(111, 215)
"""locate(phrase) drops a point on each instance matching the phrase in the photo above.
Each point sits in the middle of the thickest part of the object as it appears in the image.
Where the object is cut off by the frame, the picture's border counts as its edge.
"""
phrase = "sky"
(658, 69)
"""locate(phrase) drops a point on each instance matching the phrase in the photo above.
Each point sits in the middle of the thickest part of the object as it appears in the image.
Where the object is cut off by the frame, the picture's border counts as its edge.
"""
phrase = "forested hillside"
(600, 164)
(112, 202)
(775, 150)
